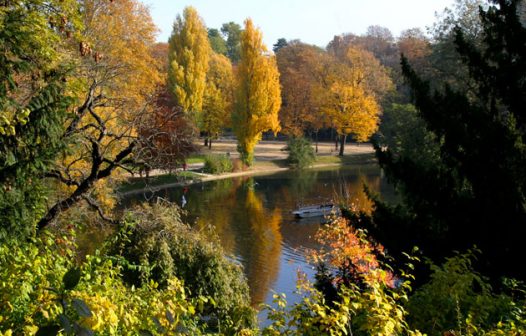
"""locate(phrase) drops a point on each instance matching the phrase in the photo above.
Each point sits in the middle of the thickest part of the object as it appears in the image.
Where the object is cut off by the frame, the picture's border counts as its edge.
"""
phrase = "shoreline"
(202, 177)
(269, 158)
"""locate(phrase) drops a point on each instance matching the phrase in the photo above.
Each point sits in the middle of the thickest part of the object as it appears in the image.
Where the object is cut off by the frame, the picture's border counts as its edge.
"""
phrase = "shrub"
(41, 289)
(460, 299)
(155, 236)
(301, 153)
(217, 164)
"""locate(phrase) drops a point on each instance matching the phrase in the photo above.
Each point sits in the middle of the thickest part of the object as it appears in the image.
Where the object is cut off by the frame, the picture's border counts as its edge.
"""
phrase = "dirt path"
(275, 150)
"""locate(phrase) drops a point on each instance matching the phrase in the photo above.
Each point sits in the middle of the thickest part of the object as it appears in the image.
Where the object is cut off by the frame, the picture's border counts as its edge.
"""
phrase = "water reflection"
(253, 220)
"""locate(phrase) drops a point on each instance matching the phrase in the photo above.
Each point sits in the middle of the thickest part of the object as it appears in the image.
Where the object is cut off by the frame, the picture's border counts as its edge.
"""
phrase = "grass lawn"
(196, 158)
(346, 159)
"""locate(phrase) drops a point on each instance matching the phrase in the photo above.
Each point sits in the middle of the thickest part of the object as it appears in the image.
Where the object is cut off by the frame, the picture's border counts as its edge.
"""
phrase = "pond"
(252, 217)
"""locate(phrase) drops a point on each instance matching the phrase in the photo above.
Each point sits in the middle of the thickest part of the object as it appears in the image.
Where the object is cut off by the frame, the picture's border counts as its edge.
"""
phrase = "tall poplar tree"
(219, 96)
(189, 51)
(258, 94)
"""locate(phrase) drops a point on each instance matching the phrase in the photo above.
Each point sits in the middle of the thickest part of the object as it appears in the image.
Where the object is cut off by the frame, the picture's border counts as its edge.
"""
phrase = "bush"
(155, 236)
(301, 153)
(217, 164)
(41, 288)
(458, 298)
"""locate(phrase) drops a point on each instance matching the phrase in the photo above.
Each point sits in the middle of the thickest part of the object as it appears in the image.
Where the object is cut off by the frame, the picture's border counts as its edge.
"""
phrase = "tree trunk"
(336, 142)
(206, 140)
(343, 137)
(316, 142)
(210, 143)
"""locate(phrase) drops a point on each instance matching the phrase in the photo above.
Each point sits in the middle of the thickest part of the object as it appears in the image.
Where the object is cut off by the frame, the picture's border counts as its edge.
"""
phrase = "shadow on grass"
(355, 159)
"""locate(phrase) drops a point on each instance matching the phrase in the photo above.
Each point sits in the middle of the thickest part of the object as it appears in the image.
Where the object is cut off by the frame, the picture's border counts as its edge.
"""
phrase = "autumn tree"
(301, 89)
(218, 97)
(188, 56)
(114, 84)
(351, 111)
(257, 97)
(355, 82)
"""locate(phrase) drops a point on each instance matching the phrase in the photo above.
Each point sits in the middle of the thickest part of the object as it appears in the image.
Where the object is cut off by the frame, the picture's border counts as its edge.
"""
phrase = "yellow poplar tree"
(188, 56)
(258, 96)
(218, 96)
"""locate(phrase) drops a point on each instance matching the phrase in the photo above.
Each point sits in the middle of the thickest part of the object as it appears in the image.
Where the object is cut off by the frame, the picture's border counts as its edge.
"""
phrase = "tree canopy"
(257, 98)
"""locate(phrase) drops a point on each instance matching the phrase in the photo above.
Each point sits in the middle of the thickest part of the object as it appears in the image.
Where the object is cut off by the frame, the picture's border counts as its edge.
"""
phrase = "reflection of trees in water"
(351, 193)
(215, 211)
(244, 227)
(264, 246)
(303, 183)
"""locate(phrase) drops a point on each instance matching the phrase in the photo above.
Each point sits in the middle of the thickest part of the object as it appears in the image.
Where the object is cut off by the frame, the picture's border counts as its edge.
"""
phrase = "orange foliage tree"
(300, 89)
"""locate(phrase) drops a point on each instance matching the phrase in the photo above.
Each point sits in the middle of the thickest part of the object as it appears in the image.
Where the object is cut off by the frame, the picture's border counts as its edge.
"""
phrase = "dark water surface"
(252, 218)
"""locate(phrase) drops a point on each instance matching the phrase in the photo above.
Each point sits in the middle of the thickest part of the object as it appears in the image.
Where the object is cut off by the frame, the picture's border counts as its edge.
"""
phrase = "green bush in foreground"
(155, 237)
(301, 153)
(217, 164)
(42, 291)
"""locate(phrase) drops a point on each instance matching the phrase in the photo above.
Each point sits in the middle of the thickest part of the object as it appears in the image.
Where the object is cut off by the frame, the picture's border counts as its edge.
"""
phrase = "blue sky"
(312, 21)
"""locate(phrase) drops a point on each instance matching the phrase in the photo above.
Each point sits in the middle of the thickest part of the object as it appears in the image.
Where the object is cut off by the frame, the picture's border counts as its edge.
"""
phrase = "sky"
(311, 21)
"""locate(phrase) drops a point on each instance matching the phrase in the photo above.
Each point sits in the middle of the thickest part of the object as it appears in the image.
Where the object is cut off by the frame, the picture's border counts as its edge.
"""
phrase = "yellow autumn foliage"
(119, 71)
(188, 56)
(258, 93)
(218, 96)
(352, 111)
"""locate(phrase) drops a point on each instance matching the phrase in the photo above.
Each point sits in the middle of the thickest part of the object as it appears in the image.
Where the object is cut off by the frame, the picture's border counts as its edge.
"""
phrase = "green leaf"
(71, 278)
(48, 330)
(81, 308)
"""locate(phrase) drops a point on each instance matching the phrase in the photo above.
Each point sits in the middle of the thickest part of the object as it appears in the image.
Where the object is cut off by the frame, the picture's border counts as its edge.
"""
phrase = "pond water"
(253, 221)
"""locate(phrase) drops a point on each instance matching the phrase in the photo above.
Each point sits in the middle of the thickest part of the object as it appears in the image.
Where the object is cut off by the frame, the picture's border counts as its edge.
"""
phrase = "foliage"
(217, 43)
(370, 306)
(218, 96)
(404, 132)
(33, 104)
(447, 65)
(460, 299)
(301, 153)
(367, 298)
(155, 237)
(166, 135)
(280, 43)
(217, 164)
(188, 57)
(301, 88)
(42, 290)
(480, 136)
(113, 85)
(257, 98)
(232, 31)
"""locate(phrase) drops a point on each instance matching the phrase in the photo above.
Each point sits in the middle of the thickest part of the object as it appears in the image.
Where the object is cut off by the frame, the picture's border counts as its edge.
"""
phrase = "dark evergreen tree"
(476, 193)
(280, 43)
(32, 107)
